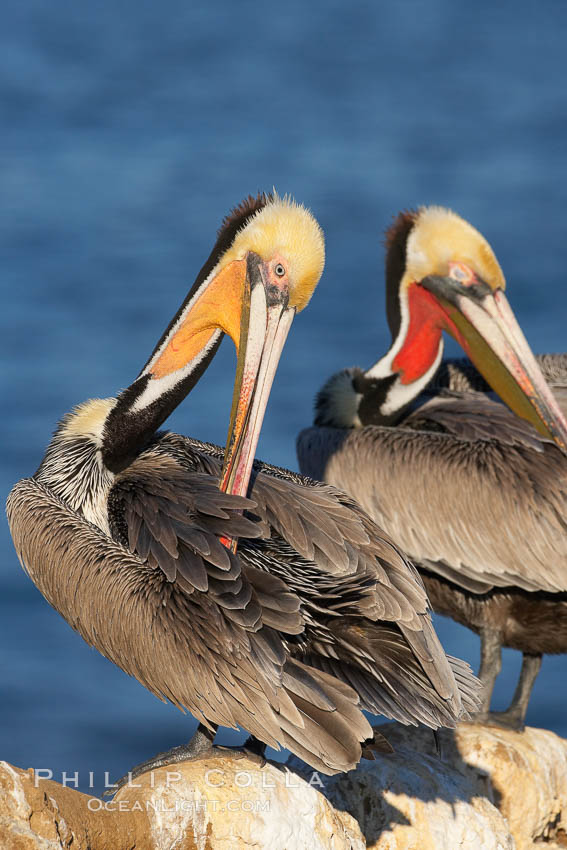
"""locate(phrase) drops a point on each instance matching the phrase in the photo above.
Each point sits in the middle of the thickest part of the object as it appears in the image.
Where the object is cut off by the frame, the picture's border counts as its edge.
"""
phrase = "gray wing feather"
(173, 519)
(182, 645)
(342, 563)
(481, 512)
(342, 541)
(474, 416)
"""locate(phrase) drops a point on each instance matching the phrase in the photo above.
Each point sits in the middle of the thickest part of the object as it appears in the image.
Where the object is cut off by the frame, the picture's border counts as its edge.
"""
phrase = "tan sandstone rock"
(234, 804)
(220, 803)
(44, 815)
(414, 801)
(489, 789)
(528, 775)
(417, 798)
(523, 773)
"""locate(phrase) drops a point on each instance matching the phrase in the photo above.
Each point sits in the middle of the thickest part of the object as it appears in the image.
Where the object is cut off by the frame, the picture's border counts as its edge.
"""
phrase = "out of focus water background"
(127, 131)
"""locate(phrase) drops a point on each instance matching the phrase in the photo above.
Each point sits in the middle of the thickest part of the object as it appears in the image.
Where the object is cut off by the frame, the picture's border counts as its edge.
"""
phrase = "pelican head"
(277, 260)
(265, 265)
(442, 275)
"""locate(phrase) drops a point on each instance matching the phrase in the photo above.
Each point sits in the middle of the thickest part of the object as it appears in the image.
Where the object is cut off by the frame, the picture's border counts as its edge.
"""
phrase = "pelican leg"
(490, 665)
(200, 745)
(515, 715)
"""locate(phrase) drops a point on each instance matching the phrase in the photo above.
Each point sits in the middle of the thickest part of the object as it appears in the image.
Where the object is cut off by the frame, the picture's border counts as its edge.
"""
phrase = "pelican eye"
(279, 270)
(461, 273)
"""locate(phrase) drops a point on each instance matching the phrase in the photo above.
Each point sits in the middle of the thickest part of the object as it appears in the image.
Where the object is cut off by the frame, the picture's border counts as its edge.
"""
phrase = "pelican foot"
(501, 719)
(200, 746)
(509, 719)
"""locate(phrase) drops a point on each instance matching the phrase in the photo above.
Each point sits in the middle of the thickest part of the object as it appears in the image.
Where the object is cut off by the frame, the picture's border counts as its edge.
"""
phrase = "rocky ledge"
(481, 787)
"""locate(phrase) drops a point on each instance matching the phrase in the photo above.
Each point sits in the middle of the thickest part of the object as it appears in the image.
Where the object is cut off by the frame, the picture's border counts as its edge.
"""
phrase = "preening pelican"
(473, 493)
(308, 612)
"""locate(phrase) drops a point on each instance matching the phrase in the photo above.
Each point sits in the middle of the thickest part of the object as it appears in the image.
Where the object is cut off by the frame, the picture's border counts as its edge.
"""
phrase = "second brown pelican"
(314, 615)
(475, 495)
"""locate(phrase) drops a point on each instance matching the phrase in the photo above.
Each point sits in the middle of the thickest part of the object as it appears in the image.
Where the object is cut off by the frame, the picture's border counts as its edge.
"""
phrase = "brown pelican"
(472, 493)
(120, 526)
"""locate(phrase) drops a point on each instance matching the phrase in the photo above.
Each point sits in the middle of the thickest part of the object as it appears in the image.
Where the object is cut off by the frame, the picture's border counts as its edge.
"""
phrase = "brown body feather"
(317, 608)
(530, 622)
(474, 495)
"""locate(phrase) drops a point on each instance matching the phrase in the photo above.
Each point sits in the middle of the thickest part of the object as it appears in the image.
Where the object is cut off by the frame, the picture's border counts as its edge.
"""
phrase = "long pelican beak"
(241, 301)
(265, 322)
(482, 322)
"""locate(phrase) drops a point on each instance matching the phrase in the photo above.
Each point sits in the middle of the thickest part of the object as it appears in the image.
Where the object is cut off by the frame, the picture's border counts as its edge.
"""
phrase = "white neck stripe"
(157, 387)
(400, 394)
(383, 368)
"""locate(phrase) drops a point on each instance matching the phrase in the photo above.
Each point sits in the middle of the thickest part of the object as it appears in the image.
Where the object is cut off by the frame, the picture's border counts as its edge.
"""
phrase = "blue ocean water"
(128, 131)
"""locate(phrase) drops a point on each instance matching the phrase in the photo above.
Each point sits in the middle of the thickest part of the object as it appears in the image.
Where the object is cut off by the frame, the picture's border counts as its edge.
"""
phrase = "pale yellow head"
(285, 231)
(441, 238)
(290, 246)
